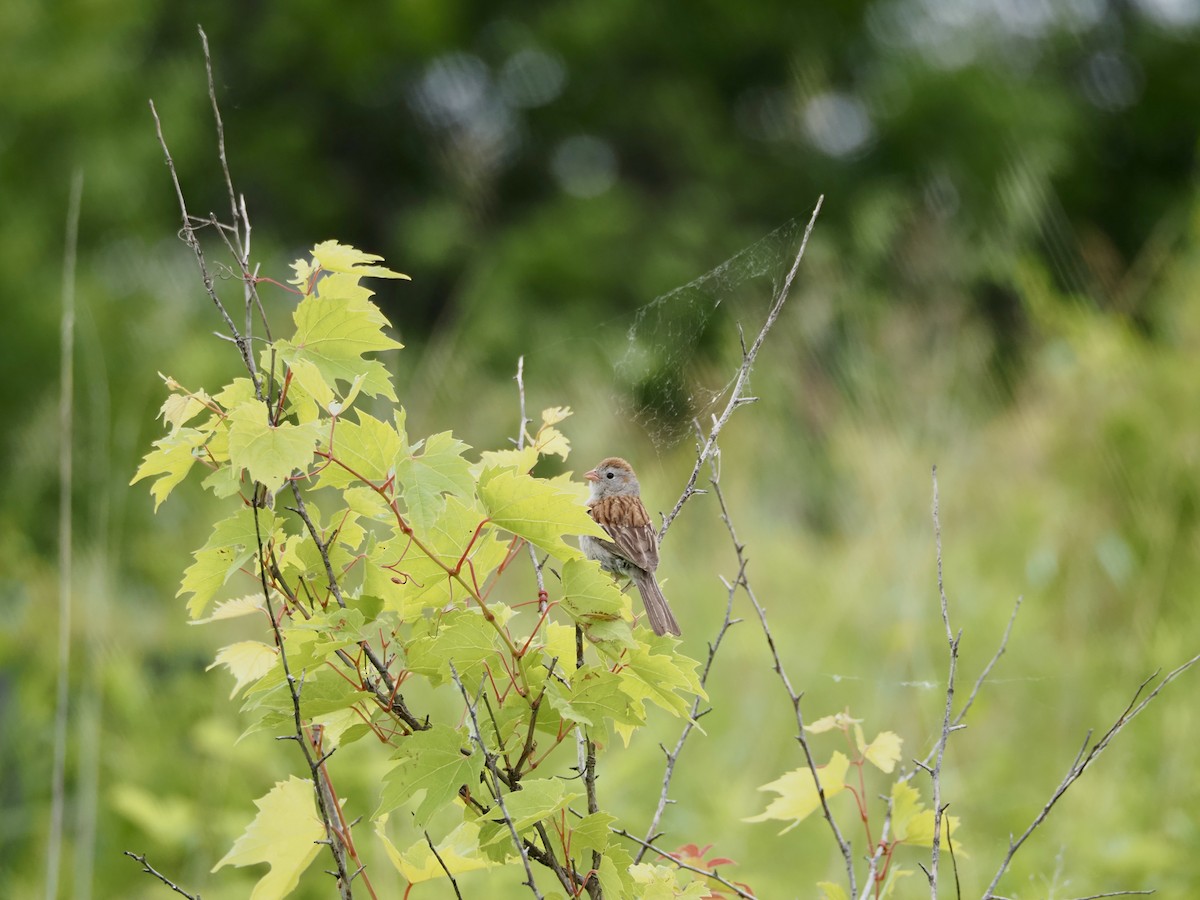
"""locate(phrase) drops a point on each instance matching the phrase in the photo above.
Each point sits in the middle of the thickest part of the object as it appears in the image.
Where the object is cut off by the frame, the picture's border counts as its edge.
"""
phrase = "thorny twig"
(150, 870)
(707, 451)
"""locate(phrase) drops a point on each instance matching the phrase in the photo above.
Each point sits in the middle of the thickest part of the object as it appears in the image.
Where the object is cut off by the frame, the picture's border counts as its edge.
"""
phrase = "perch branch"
(737, 397)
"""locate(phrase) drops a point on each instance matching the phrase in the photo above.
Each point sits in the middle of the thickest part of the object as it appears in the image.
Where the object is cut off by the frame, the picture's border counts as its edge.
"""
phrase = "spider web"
(675, 367)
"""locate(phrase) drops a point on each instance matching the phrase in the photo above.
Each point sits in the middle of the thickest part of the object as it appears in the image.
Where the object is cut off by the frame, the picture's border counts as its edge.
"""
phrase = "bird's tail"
(658, 611)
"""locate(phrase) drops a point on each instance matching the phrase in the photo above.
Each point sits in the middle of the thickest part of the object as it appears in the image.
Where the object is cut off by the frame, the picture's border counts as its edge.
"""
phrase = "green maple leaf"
(270, 453)
(439, 468)
(591, 598)
(438, 762)
(171, 459)
(661, 678)
(460, 637)
(416, 581)
(366, 450)
(537, 510)
(595, 695)
(591, 834)
(232, 543)
(615, 880)
(538, 799)
(284, 834)
(333, 332)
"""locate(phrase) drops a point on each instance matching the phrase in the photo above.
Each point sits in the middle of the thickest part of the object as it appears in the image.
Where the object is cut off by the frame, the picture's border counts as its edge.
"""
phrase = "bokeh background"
(1003, 281)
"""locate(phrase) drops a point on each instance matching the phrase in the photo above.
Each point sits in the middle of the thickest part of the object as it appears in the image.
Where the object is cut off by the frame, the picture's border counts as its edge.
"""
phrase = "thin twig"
(987, 670)
(543, 600)
(744, 583)
(326, 806)
(713, 646)
(216, 108)
(188, 233)
(497, 781)
(1083, 759)
(947, 726)
(442, 863)
(66, 416)
(150, 870)
(736, 395)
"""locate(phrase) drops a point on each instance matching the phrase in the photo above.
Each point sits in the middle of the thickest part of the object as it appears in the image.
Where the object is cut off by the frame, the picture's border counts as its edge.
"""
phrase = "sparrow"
(616, 506)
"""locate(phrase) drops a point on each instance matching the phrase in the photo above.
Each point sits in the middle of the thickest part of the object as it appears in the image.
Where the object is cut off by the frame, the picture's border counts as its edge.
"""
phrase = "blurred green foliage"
(1003, 281)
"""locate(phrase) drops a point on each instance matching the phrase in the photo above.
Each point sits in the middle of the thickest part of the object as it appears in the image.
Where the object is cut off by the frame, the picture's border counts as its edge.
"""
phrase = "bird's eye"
(610, 475)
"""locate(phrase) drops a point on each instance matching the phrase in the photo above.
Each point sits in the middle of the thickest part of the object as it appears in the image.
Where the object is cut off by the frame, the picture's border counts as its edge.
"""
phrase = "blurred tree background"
(1004, 281)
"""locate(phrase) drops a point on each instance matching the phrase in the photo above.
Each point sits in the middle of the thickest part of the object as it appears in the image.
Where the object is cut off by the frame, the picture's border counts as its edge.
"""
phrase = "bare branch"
(150, 870)
(212, 96)
(713, 646)
(744, 583)
(442, 863)
(736, 394)
(987, 670)
(497, 781)
(188, 234)
(1082, 760)
(940, 750)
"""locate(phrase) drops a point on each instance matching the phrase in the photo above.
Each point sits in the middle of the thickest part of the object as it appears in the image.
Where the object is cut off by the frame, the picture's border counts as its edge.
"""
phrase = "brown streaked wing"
(628, 523)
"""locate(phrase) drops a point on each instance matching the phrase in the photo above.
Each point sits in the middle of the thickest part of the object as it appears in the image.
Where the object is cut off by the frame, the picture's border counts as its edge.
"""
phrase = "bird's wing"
(628, 524)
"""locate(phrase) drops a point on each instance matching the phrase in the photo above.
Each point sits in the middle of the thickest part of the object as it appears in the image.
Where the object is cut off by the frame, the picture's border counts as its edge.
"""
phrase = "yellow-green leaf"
(831, 891)
(180, 408)
(333, 332)
(883, 752)
(232, 543)
(912, 823)
(538, 511)
(663, 678)
(797, 790)
(247, 661)
(591, 834)
(432, 764)
(284, 834)
(232, 609)
(438, 469)
(840, 721)
(270, 453)
(499, 460)
(458, 852)
(460, 637)
(366, 450)
(334, 257)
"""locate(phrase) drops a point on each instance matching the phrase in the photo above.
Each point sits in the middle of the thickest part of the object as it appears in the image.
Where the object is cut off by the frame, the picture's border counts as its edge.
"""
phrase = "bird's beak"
(591, 476)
